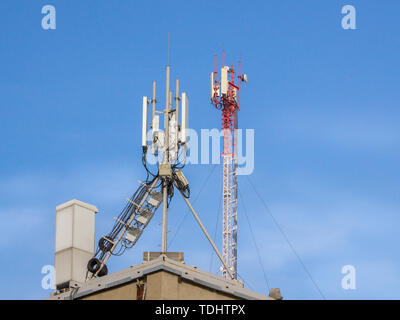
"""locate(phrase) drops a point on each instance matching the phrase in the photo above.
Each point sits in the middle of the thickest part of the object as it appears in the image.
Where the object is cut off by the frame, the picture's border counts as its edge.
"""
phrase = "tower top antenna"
(225, 95)
(169, 48)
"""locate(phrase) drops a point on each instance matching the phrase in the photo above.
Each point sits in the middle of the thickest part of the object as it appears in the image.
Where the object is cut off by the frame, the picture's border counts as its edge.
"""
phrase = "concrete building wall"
(167, 286)
(126, 291)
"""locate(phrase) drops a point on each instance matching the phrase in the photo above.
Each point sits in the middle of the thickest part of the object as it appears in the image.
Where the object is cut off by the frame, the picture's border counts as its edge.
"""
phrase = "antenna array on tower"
(225, 95)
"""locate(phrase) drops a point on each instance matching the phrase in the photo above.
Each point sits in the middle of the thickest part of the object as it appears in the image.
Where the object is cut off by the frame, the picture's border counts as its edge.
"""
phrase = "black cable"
(145, 165)
(130, 209)
(185, 189)
(286, 238)
(123, 219)
(254, 239)
(246, 283)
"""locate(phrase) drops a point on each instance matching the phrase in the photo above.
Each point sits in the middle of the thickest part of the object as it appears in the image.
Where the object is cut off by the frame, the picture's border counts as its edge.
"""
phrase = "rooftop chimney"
(75, 241)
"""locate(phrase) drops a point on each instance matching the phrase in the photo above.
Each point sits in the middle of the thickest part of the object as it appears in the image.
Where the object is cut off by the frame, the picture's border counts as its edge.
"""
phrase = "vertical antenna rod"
(154, 100)
(177, 104)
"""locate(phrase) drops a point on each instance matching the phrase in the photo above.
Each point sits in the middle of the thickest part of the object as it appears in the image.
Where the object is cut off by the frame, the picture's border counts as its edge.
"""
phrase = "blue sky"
(324, 103)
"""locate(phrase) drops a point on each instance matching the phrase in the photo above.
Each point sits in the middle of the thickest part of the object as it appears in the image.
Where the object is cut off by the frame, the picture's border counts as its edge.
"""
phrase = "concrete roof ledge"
(191, 273)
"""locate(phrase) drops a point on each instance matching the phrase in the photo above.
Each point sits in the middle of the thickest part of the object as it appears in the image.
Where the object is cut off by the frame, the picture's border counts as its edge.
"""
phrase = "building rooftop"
(161, 278)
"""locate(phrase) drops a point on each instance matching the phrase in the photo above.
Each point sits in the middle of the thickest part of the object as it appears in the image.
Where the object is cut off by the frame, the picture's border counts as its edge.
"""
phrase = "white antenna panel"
(155, 128)
(144, 122)
(185, 117)
(173, 137)
(224, 80)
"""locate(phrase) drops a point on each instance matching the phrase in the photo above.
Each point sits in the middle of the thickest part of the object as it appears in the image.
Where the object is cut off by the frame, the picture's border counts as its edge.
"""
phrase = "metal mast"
(225, 95)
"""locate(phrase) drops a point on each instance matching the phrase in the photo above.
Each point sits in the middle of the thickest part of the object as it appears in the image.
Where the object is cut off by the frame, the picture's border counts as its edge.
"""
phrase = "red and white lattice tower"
(225, 95)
